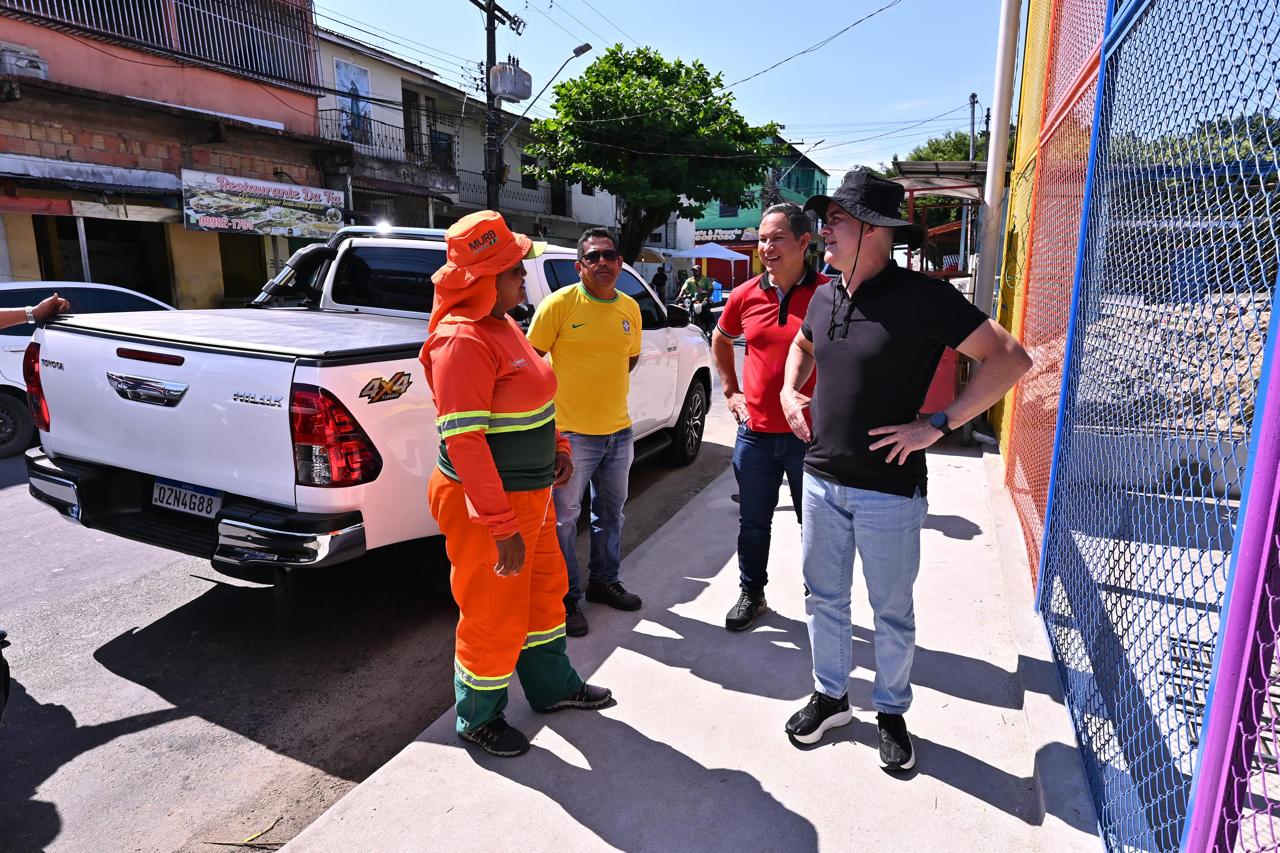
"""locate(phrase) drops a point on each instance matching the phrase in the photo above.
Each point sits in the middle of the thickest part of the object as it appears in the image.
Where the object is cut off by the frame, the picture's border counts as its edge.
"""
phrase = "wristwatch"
(938, 420)
(31, 314)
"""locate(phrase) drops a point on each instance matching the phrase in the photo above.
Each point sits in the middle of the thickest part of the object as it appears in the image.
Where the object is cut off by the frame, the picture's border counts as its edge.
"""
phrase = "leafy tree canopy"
(659, 135)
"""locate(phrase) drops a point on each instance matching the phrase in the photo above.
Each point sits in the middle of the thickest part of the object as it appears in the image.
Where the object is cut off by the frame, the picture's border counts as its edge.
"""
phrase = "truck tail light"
(329, 446)
(36, 402)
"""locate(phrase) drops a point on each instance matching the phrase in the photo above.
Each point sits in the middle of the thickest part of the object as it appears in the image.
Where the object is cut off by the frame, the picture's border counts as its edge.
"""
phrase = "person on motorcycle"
(697, 289)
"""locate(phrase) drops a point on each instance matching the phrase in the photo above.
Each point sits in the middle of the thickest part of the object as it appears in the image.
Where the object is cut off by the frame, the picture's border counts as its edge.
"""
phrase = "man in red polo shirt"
(768, 310)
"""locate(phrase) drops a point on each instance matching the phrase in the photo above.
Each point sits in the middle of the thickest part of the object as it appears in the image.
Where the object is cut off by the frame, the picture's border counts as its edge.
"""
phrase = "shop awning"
(712, 250)
(114, 178)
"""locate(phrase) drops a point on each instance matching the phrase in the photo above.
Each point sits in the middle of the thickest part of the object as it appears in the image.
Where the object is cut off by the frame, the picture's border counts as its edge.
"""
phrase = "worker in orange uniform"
(500, 455)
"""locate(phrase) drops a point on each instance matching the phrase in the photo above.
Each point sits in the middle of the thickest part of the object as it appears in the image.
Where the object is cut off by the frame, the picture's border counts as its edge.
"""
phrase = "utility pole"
(492, 156)
(492, 153)
(964, 212)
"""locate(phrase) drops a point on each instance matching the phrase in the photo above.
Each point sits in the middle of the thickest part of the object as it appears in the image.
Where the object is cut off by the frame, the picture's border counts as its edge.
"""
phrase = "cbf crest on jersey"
(626, 326)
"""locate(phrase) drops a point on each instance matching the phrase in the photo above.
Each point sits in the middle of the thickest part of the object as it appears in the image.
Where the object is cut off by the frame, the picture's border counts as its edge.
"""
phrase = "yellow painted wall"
(24, 264)
(197, 267)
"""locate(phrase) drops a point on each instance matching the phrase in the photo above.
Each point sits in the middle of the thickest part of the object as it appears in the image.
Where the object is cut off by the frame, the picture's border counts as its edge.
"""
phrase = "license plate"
(187, 498)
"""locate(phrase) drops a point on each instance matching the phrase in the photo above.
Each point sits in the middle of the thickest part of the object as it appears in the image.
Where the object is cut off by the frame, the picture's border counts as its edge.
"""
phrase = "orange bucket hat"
(479, 246)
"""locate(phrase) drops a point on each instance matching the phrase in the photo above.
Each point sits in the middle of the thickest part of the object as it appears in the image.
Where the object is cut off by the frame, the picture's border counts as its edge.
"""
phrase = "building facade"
(419, 148)
(794, 179)
(175, 151)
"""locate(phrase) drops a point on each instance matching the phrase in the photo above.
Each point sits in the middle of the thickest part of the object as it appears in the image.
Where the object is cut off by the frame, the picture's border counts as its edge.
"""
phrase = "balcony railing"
(430, 147)
(268, 39)
(515, 196)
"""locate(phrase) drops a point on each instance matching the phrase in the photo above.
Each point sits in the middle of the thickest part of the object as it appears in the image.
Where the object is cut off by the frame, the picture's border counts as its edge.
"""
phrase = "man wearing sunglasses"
(592, 331)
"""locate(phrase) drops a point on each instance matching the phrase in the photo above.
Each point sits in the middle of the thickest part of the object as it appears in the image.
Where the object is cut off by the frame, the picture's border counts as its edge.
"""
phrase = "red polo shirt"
(770, 322)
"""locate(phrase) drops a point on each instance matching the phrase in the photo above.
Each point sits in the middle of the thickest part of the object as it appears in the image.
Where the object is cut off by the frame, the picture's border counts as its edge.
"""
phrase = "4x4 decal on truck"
(379, 390)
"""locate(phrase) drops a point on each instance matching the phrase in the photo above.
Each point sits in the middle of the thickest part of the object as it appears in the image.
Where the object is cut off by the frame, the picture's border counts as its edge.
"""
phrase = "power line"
(611, 23)
(463, 78)
(880, 135)
(334, 15)
(576, 39)
(694, 154)
(723, 89)
(826, 41)
(584, 24)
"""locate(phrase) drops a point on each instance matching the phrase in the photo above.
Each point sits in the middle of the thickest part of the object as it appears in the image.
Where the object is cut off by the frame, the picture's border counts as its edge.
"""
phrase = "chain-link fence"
(1075, 35)
(1172, 305)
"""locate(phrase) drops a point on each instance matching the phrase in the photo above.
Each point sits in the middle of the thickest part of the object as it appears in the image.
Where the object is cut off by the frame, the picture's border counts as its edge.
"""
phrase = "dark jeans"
(759, 461)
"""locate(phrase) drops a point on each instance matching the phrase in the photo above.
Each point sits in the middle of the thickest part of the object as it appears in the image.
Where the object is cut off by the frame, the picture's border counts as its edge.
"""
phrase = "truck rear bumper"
(246, 537)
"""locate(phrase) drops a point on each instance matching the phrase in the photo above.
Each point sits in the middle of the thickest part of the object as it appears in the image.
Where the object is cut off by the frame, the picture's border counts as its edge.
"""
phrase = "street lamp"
(577, 51)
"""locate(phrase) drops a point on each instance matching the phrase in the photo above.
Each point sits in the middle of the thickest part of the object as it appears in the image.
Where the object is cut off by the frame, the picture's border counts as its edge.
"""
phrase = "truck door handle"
(142, 389)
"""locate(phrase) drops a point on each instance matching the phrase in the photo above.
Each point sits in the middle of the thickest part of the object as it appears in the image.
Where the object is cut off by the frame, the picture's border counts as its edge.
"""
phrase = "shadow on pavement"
(13, 472)
(952, 526)
(965, 677)
(344, 684)
(640, 794)
(37, 739)
(773, 662)
(1013, 795)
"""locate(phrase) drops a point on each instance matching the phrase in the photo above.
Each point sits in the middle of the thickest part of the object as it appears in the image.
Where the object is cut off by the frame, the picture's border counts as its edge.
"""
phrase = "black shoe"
(497, 737)
(575, 623)
(811, 722)
(749, 606)
(896, 752)
(588, 698)
(613, 594)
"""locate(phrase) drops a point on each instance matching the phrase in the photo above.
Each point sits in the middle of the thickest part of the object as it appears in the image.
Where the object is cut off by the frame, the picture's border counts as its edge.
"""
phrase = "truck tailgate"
(218, 420)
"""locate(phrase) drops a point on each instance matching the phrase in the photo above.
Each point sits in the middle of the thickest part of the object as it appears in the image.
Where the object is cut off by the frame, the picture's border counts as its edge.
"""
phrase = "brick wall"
(86, 131)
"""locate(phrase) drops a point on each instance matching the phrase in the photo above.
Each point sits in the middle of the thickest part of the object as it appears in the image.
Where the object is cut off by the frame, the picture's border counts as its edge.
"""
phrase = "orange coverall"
(496, 421)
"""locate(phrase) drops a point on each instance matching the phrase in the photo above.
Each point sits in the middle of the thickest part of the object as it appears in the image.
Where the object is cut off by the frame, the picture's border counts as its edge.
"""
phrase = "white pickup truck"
(273, 438)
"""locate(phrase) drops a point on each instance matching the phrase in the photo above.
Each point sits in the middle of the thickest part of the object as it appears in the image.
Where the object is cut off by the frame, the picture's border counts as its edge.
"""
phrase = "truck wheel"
(16, 428)
(686, 437)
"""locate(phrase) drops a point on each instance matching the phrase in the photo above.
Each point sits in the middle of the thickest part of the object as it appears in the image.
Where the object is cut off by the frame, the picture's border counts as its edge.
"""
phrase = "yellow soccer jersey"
(591, 342)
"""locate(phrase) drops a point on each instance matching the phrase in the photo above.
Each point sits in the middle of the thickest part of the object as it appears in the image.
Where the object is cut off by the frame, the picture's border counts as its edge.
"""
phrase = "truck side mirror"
(677, 317)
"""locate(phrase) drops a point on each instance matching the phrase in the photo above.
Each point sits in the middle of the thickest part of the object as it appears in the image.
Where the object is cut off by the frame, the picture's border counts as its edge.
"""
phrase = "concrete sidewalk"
(693, 756)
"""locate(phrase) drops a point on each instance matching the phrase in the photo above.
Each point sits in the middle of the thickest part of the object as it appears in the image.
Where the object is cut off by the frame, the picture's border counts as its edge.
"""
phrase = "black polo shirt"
(876, 355)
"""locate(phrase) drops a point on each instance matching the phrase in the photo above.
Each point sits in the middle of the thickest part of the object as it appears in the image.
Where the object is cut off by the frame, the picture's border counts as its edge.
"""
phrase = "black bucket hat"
(872, 200)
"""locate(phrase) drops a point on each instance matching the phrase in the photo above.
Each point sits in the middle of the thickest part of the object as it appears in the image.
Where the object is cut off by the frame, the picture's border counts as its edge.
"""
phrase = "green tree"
(660, 136)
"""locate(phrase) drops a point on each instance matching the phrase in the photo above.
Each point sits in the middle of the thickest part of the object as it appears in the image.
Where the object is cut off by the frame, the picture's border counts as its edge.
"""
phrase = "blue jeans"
(885, 531)
(605, 462)
(760, 459)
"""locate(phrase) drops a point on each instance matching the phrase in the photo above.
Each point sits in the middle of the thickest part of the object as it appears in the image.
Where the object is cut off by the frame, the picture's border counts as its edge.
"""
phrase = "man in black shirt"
(875, 335)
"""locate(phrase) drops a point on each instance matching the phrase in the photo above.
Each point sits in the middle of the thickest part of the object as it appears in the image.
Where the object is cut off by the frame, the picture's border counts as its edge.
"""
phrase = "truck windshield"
(397, 278)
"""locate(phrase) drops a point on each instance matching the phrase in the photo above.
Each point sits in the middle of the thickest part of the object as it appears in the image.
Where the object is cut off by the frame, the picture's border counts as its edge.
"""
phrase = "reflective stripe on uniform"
(538, 638)
(455, 423)
(480, 682)
(518, 421)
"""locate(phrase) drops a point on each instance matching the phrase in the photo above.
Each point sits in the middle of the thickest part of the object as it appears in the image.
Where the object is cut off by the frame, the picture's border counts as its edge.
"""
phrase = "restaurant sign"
(214, 202)
(725, 235)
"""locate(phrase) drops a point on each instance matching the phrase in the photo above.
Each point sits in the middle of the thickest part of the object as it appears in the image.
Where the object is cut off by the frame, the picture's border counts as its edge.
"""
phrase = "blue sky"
(916, 60)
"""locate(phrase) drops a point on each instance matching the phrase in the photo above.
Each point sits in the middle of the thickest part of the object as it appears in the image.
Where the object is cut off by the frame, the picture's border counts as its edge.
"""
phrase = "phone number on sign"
(224, 222)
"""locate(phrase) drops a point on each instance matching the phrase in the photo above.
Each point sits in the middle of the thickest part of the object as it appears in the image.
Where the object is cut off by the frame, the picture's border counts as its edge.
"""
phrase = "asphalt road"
(158, 706)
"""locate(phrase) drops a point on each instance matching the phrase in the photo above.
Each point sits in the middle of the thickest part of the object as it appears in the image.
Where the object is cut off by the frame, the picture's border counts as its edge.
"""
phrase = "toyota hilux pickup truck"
(297, 432)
